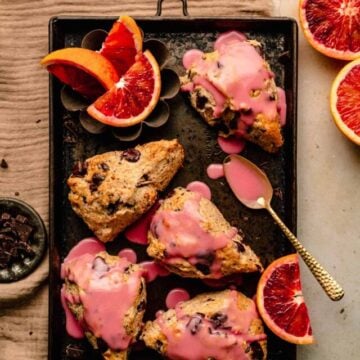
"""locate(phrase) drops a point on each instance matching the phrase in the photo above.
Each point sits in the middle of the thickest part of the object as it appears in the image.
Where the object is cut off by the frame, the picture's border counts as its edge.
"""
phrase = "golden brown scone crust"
(114, 191)
(236, 257)
(265, 131)
(133, 317)
(207, 304)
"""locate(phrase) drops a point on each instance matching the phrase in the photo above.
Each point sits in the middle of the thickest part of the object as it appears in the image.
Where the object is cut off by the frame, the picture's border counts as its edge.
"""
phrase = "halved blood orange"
(123, 44)
(345, 101)
(133, 98)
(281, 303)
(86, 71)
(332, 26)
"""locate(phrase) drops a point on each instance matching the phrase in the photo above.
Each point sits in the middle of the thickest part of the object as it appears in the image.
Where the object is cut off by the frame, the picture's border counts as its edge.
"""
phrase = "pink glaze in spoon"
(252, 188)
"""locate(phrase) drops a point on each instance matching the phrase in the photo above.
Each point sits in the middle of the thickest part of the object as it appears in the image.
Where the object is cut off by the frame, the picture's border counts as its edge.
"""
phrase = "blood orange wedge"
(133, 98)
(345, 101)
(281, 303)
(123, 44)
(332, 26)
(86, 71)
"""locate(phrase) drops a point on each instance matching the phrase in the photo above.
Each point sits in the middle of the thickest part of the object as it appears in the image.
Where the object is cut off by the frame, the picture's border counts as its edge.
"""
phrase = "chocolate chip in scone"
(158, 345)
(104, 166)
(131, 155)
(4, 164)
(272, 97)
(218, 319)
(257, 351)
(194, 323)
(240, 247)
(113, 207)
(141, 306)
(96, 180)
(201, 101)
(204, 269)
(79, 169)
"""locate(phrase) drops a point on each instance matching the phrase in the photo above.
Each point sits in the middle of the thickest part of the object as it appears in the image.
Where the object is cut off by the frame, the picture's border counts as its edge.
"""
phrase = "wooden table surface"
(24, 127)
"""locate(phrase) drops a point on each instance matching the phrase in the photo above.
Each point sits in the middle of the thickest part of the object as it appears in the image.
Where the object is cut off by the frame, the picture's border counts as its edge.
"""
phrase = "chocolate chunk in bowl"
(23, 240)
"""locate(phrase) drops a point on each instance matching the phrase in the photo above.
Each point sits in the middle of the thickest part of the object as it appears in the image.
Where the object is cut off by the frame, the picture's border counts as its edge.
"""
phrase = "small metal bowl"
(38, 243)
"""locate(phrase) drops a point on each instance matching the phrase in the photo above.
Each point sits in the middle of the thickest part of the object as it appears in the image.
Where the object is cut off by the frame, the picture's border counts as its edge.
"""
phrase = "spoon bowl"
(252, 188)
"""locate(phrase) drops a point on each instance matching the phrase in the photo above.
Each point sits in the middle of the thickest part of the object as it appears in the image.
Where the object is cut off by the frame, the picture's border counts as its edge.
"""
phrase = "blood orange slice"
(123, 44)
(133, 98)
(345, 101)
(281, 303)
(332, 27)
(86, 71)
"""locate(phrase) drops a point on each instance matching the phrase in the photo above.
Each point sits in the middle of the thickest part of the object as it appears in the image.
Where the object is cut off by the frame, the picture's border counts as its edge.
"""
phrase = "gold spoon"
(252, 187)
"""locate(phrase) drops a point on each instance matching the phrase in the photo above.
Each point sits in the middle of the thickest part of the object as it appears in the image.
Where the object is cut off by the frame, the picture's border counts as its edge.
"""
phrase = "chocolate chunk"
(272, 97)
(102, 345)
(194, 323)
(79, 169)
(74, 352)
(96, 180)
(112, 207)
(104, 166)
(219, 65)
(240, 247)
(218, 320)
(131, 155)
(257, 351)
(4, 164)
(201, 102)
(141, 306)
(205, 269)
(158, 345)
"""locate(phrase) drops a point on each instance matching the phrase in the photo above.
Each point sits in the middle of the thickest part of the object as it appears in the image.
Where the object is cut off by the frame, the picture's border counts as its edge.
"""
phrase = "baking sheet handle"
(159, 7)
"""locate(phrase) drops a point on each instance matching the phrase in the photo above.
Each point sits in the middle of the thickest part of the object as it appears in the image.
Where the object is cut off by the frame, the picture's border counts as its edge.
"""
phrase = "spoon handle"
(328, 283)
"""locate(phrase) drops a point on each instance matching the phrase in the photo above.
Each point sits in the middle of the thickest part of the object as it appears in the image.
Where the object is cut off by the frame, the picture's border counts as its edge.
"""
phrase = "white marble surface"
(328, 205)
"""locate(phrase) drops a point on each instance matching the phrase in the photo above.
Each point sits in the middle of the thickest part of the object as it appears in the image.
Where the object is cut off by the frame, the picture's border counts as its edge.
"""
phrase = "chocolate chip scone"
(219, 326)
(112, 190)
(233, 88)
(107, 295)
(190, 237)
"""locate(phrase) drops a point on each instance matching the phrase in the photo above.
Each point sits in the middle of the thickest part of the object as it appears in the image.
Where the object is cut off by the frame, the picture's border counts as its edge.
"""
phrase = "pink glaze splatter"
(231, 145)
(175, 296)
(197, 337)
(73, 327)
(128, 254)
(282, 105)
(153, 270)
(137, 233)
(245, 181)
(105, 296)
(215, 171)
(201, 188)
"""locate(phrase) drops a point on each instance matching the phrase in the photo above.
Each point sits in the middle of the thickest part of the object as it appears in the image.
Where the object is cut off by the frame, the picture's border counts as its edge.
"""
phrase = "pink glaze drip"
(282, 105)
(203, 341)
(215, 171)
(201, 188)
(153, 270)
(184, 237)
(191, 57)
(105, 297)
(245, 181)
(175, 296)
(137, 233)
(73, 327)
(129, 255)
(231, 145)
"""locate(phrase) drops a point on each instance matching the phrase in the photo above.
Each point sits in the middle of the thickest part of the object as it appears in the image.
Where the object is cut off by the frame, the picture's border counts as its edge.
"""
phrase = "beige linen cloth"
(24, 138)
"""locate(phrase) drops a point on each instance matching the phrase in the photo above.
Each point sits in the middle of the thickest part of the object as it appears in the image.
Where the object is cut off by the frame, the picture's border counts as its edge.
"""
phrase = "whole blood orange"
(123, 44)
(281, 303)
(345, 101)
(332, 26)
(133, 97)
(86, 71)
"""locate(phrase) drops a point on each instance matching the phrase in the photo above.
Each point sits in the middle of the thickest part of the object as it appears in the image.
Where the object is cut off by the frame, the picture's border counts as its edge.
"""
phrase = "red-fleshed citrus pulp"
(332, 26)
(123, 44)
(133, 98)
(281, 303)
(345, 101)
(86, 71)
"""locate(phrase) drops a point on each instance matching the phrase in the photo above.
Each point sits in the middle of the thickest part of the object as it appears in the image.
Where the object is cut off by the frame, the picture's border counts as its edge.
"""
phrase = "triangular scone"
(112, 190)
(190, 237)
(233, 88)
(107, 296)
(220, 325)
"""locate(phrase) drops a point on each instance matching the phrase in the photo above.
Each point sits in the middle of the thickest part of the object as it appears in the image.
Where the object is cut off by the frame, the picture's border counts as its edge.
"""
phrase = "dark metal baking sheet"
(69, 142)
